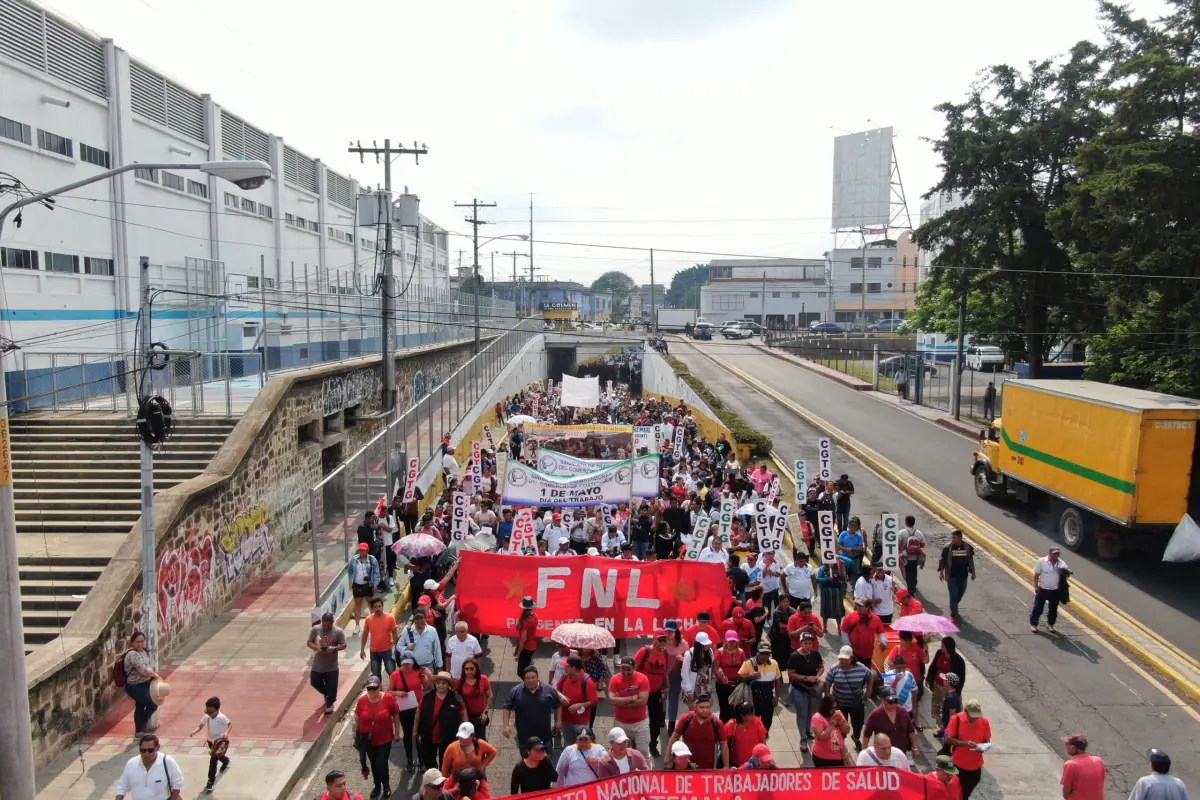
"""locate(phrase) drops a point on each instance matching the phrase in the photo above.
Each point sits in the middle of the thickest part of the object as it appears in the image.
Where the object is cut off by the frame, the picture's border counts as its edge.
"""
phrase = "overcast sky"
(701, 125)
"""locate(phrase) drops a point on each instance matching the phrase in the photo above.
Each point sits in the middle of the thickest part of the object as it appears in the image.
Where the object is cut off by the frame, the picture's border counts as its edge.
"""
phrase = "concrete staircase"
(77, 495)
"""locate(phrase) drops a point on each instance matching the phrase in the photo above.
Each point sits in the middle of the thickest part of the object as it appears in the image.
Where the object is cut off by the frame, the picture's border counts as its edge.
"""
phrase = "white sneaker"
(357, 630)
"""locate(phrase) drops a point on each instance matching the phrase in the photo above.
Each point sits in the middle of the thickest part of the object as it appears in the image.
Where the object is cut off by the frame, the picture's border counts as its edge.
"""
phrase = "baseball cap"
(702, 639)
(902, 594)
(763, 647)
(364, 546)
(433, 777)
(1076, 740)
(617, 735)
(704, 616)
(889, 696)
(660, 632)
(973, 708)
(846, 652)
(946, 765)
(556, 516)
(731, 636)
(671, 624)
(807, 637)
(763, 754)
(373, 682)
(1055, 550)
(626, 661)
(1158, 758)
(429, 584)
(534, 743)
(466, 730)
(424, 601)
(592, 551)
(680, 749)
(583, 732)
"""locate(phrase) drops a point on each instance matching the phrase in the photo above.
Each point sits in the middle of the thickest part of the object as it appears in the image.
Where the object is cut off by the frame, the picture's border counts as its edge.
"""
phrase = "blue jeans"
(384, 658)
(1040, 600)
(674, 687)
(805, 705)
(958, 587)
(143, 705)
(640, 549)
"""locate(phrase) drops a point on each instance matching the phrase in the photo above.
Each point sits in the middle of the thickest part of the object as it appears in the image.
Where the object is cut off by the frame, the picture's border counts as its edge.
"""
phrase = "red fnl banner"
(873, 783)
(628, 598)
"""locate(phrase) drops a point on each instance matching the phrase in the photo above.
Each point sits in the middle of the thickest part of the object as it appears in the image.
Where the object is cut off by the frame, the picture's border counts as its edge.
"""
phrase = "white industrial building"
(872, 283)
(789, 292)
(72, 104)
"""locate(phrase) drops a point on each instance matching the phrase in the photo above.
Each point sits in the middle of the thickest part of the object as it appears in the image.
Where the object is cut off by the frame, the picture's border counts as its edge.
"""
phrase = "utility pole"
(764, 305)
(493, 279)
(530, 254)
(515, 254)
(956, 376)
(145, 391)
(388, 295)
(863, 286)
(475, 221)
(653, 318)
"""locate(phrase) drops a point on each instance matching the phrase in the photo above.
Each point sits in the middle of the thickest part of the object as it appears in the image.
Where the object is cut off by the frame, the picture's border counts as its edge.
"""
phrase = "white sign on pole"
(801, 477)
(501, 464)
(522, 535)
(891, 541)
(764, 527)
(728, 506)
(644, 436)
(609, 388)
(695, 543)
(410, 478)
(458, 516)
(487, 434)
(476, 464)
(825, 455)
(679, 443)
(826, 538)
(658, 438)
(535, 407)
(776, 490)
(772, 542)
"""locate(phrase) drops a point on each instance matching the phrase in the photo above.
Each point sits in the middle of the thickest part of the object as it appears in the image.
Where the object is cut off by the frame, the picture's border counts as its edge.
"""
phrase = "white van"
(984, 358)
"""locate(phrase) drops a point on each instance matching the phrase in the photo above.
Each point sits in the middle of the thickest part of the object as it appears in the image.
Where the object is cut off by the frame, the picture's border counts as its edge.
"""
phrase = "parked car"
(702, 332)
(888, 366)
(826, 327)
(984, 358)
(754, 327)
(737, 330)
(885, 326)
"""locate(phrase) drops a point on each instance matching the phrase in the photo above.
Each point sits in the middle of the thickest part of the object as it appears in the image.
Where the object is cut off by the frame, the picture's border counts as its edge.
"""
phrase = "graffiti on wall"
(342, 391)
(185, 581)
(245, 542)
(289, 509)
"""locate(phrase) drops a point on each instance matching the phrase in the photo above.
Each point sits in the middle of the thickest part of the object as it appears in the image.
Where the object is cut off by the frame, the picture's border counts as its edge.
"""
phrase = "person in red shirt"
(942, 783)
(701, 732)
(966, 731)
(804, 621)
(335, 787)
(744, 733)
(526, 635)
(629, 692)
(703, 623)
(744, 628)
(1083, 775)
(909, 605)
(653, 661)
(377, 717)
(727, 663)
(912, 649)
(579, 696)
(863, 628)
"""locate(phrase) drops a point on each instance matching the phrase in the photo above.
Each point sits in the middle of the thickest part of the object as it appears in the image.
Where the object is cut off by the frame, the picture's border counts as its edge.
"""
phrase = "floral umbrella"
(925, 623)
(583, 636)
(419, 545)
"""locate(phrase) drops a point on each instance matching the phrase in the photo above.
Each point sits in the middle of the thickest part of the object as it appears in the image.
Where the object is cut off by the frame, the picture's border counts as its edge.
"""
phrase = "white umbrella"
(520, 419)
(749, 509)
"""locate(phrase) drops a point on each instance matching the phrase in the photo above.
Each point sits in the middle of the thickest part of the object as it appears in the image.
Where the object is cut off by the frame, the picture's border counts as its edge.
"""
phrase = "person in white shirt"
(1048, 575)
(799, 579)
(459, 647)
(877, 590)
(555, 531)
(150, 775)
(611, 541)
(449, 465)
(771, 576)
(714, 551)
(575, 763)
(882, 754)
(564, 548)
(558, 665)
(216, 736)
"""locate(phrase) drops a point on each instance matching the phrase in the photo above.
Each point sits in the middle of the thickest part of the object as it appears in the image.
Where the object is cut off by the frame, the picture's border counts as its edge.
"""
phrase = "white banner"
(891, 541)
(826, 537)
(780, 526)
(523, 538)
(644, 436)
(800, 475)
(487, 434)
(695, 542)
(728, 507)
(458, 516)
(410, 478)
(660, 438)
(580, 392)
(645, 469)
(527, 486)
(825, 459)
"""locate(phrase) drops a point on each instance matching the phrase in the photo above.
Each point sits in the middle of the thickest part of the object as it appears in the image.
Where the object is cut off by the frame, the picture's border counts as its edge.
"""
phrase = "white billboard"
(862, 179)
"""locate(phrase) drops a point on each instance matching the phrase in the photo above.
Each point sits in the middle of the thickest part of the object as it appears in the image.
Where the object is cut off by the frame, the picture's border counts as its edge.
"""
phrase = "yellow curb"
(1086, 604)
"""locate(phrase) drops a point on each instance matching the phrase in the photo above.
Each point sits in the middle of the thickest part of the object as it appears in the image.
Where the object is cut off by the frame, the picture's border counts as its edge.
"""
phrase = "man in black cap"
(1159, 785)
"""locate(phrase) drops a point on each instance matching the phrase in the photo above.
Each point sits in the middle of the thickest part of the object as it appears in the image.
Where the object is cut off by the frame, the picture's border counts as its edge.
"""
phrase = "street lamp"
(16, 746)
(475, 269)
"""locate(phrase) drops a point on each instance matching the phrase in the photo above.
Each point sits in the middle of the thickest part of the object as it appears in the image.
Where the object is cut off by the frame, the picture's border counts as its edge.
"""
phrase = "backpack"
(687, 720)
(120, 678)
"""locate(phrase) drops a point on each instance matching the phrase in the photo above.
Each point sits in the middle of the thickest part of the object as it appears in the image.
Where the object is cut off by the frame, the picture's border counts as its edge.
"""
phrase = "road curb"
(1086, 605)
(857, 384)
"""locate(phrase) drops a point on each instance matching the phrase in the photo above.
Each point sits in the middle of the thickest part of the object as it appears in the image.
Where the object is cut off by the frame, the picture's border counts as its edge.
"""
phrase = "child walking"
(216, 728)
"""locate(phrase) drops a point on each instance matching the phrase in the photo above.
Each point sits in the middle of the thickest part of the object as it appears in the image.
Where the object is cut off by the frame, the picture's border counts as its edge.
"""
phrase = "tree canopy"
(684, 291)
(621, 287)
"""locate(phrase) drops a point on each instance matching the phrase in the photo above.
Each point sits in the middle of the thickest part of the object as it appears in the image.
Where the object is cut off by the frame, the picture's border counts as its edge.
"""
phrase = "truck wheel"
(983, 487)
(1073, 528)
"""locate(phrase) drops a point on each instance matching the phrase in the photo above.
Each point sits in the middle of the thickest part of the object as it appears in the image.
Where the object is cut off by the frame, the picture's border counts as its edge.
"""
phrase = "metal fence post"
(429, 421)
(229, 390)
(312, 524)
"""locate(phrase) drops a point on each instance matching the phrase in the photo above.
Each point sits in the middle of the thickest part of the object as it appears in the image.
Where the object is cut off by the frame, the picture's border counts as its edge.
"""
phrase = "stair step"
(40, 634)
(45, 586)
(66, 561)
(61, 576)
(51, 494)
(45, 618)
(73, 503)
(73, 527)
(64, 603)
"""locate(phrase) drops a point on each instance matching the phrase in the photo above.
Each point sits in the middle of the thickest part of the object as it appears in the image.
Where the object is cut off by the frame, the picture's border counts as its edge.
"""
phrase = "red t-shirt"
(942, 791)
(802, 621)
(714, 638)
(436, 734)
(619, 687)
(730, 663)
(474, 697)
(529, 626)
(701, 737)
(742, 739)
(744, 629)
(653, 664)
(969, 730)
(581, 690)
(1085, 774)
(914, 655)
(862, 635)
(376, 718)
(910, 606)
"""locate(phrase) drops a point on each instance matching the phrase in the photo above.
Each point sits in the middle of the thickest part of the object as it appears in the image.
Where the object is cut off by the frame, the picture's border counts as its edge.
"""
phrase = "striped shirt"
(848, 684)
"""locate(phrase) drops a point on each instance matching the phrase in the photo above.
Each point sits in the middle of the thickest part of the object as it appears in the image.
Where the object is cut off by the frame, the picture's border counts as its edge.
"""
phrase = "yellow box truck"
(1113, 462)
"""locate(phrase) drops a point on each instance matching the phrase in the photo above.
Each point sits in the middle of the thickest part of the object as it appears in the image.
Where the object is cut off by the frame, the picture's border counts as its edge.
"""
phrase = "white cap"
(702, 638)
(466, 730)
(680, 749)
(846, 652)
(429, 584)
(617, 735)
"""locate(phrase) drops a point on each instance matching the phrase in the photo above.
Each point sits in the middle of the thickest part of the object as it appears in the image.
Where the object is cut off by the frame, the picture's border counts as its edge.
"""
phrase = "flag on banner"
(825, 456)
(728, 507)
(826, 537)
(410, 478)
(800, 475)
(695, 541)
(891, 541)
(458, 516)
(523, 538)
(487, 434)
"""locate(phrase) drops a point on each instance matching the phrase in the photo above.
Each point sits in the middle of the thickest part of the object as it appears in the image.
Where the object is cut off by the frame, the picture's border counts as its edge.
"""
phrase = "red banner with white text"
(629, 598)
(864, 783)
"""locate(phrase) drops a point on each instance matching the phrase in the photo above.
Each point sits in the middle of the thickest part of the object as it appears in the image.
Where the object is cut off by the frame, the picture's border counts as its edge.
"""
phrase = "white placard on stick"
(458, 516)
(800, 474)
(523, 537)
(826, 537)
(487, 434)
(891, 541)
(825, 456)
(695, 542)
(410, 478)
(774, 542)
(725, 529)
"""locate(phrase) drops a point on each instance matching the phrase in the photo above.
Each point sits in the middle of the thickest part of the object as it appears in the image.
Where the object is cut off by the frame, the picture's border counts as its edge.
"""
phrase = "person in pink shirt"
(1083, 775)
(760, 477)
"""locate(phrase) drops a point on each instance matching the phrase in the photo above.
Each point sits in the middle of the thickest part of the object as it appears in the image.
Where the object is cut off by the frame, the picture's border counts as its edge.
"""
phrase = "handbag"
(741, 695)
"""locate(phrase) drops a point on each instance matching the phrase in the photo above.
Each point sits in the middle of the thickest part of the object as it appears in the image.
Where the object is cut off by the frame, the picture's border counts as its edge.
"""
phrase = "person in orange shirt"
(465, 752)
(380, 629)
(909, 605)
(744, 629)
(969, 735)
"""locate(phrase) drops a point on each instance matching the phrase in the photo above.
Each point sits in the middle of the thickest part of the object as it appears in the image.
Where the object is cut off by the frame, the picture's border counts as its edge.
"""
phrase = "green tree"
(621, 287)
(1008, 149)
(1133, 220)
(684, 291)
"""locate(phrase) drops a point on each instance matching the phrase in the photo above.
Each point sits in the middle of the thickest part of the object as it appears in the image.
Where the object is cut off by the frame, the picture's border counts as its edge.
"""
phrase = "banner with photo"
(526, 486)
(584, 441)
(645, 469)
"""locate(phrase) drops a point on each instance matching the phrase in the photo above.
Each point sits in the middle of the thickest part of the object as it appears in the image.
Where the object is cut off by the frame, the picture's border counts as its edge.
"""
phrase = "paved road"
(1059, 684)
(1161, 596)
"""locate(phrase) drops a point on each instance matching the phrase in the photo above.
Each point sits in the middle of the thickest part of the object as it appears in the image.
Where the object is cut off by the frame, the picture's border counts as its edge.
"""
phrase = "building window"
(54, 143)
(249, 206)
(18, 259)
(856, 288)
(198, 189)
(332, 235)
(98, 266)
(874, 263)
(774, 294)
(146, 175)
(93, 155)
(290, 219)
(856, 263)
(11, 129)
(173, 181)
(231, 201)
(251, 281)
(754, 294)
(266, 211)
(301, 222)
(269, 283)
(795, 294)
(820, 295)
(313, 226)
(61, 262)
(874, 288)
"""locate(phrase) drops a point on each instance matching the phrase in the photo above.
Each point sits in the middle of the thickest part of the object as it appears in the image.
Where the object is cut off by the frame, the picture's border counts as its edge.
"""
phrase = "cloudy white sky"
(700, 125)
